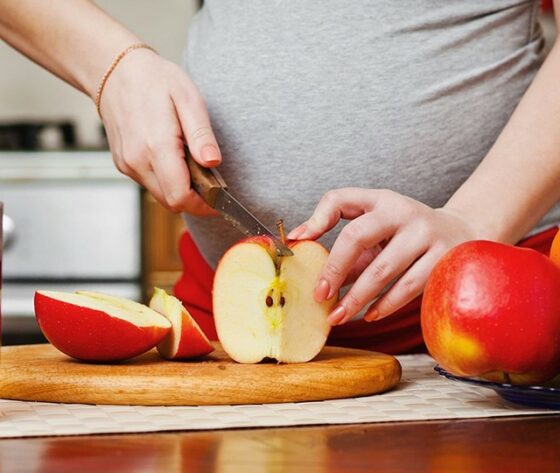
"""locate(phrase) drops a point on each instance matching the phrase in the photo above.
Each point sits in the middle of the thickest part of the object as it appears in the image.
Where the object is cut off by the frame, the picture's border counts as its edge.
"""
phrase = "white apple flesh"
(264, 311)
(185, 339)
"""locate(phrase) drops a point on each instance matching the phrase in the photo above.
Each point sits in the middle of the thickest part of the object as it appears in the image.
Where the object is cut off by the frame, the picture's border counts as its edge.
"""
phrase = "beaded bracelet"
(112, 67)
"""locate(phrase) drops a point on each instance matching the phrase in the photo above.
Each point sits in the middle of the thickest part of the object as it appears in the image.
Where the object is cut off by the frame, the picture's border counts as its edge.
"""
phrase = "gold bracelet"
(112, 67)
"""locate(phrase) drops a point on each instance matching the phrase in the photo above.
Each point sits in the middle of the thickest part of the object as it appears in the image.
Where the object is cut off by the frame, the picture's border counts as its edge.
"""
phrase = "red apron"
(399, 333)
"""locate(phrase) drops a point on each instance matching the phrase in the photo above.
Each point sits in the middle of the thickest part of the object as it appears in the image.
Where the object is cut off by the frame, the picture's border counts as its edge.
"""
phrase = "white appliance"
(72, 222)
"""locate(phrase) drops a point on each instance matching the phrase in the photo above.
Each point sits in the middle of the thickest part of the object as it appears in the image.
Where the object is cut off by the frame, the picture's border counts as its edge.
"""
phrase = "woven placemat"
(421, 395)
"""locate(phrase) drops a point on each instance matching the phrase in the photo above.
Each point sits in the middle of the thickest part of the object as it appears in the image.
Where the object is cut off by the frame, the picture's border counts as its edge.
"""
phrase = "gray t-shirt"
(311, 95)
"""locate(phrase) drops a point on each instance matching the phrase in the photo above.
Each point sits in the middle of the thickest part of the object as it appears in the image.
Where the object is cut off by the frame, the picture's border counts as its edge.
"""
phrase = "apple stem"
(281, 230)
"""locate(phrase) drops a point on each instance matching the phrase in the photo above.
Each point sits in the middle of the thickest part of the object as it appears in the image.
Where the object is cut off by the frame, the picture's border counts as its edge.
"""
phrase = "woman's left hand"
(413, 236)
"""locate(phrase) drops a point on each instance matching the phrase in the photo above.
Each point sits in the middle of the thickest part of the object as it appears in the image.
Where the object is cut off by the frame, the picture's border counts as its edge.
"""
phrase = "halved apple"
(185, 339)
(264, 306)
(97, 327)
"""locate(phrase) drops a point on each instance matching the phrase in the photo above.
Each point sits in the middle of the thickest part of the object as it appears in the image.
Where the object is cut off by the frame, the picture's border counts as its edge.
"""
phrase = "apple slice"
(97, 327)
(264, 308)
(185, 339)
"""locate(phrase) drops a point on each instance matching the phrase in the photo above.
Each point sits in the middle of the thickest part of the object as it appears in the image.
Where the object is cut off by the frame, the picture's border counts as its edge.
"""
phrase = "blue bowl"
(533, 396)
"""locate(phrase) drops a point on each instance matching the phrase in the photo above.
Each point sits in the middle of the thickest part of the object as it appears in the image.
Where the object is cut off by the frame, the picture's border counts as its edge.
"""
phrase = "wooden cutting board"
(42, 373)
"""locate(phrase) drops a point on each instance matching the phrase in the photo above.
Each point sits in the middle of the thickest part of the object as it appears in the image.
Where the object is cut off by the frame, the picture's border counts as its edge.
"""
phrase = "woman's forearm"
(519, 179)
(144, 107)
(73, 39)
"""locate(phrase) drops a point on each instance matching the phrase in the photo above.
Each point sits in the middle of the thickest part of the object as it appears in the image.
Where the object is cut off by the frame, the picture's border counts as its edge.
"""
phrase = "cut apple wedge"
(185, 339)
(96, 327)
(264, 308)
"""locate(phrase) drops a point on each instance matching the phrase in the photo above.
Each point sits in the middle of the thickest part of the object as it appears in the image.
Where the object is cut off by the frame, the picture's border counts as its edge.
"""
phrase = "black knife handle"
(205, 181)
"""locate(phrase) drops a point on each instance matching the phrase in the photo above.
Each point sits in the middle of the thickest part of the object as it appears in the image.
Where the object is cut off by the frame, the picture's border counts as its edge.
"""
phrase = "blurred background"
(28, 92)
(71, 220)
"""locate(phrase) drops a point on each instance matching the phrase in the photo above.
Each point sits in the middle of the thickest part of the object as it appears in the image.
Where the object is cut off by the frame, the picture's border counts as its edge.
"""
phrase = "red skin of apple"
(262, 240)
(92, 335)
(493, 310)
(268, 243)
(192, 342)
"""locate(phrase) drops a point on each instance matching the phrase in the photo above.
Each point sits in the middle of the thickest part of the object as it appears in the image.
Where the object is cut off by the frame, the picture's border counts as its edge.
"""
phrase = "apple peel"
(97, 327)
(186, 339)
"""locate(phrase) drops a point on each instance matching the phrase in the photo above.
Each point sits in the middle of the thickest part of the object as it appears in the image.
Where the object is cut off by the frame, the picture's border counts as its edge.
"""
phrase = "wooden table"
(529, 444)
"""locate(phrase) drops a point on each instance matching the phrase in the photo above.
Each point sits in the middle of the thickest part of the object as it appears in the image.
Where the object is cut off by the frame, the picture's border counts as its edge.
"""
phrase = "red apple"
(264, 305)
(185, 339)
(97, 327)
(493, 310)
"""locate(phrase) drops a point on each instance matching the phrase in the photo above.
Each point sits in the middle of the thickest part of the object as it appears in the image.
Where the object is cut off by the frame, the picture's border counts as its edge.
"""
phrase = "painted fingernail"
(296, 233)
(371, 316)
(332, 292)
(322, 290)
(337, 315)
(210, 154)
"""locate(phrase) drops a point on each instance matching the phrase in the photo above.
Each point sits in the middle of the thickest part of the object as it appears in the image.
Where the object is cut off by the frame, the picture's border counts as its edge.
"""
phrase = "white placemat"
(421, 395)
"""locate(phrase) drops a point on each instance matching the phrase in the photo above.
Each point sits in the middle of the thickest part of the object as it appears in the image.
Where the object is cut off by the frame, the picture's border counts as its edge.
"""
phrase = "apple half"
(91, 326)
(264, 305)
(185, 339)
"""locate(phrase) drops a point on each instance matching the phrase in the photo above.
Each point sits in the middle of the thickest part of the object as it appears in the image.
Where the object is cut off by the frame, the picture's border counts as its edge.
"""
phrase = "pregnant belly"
(296, 119)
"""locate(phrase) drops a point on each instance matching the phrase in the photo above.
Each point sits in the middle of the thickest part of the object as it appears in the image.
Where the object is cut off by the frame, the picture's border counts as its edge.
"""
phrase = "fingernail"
(210, 154)
(337, 315)
(322, 290)
(296, 233)
(371, 316)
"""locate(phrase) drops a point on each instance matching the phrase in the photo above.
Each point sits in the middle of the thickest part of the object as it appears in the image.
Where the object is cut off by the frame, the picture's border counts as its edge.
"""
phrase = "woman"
(416, 96)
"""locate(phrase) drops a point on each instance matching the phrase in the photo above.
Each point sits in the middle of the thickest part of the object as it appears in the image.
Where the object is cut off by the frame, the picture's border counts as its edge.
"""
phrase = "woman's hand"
(413, 236)
(149, 108)
(149, 105)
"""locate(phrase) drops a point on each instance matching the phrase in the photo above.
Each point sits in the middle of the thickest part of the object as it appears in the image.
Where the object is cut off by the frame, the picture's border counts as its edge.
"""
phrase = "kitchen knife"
(210, 185)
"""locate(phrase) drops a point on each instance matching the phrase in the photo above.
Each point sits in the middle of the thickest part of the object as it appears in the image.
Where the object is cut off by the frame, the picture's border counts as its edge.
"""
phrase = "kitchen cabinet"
(161, 231)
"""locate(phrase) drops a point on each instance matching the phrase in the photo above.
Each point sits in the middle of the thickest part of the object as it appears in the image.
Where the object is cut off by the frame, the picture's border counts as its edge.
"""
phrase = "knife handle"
(207, 182)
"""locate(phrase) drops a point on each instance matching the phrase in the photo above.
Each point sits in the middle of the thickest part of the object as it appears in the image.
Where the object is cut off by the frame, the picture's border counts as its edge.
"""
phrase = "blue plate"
(534, 396)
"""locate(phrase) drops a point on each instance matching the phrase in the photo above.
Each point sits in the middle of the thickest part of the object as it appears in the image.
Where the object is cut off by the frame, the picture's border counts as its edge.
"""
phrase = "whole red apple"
(493, 310)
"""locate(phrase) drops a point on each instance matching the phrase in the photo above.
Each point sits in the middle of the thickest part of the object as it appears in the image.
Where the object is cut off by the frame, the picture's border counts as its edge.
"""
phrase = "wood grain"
(512, 445)
(41, 373)
(161, 231)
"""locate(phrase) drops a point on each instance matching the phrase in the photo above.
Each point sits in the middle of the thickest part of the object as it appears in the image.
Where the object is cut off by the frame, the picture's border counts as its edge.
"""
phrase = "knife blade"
(210, 185)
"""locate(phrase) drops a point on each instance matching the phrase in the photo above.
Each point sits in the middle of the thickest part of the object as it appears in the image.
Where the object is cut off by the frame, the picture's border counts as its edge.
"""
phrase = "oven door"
(72, 230)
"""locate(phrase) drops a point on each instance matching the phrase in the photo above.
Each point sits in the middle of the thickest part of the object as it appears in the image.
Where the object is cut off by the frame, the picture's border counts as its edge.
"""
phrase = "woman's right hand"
(150, 107)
